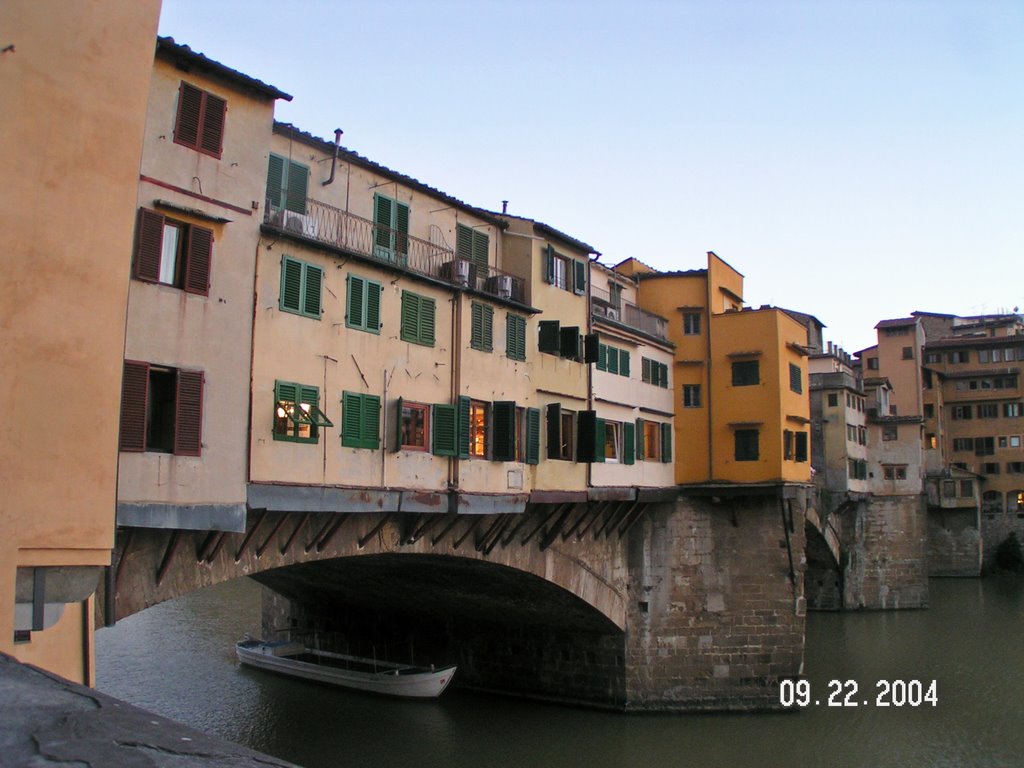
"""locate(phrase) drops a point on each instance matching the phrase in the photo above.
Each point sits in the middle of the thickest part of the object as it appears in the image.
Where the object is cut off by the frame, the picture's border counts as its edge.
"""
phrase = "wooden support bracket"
(249, 535)
(288, 542)
(273, 532)
(172, 547)
(375, 530)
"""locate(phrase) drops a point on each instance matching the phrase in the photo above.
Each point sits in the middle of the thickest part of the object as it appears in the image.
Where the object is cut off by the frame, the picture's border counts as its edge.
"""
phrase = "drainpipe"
(590, 373)
(456, 378)
(334, 160)
(710, 393)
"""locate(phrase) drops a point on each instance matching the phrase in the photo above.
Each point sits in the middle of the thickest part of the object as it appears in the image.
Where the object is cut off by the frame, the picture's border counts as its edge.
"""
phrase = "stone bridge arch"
(575, 547)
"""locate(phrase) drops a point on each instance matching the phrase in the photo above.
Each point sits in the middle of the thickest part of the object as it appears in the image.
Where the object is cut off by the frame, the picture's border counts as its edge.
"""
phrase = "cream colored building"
(185, 392)
(74, 86)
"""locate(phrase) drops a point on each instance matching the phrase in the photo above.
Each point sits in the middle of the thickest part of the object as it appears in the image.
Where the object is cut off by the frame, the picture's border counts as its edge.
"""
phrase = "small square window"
(746, 445)
(691, 323)
(746, 373)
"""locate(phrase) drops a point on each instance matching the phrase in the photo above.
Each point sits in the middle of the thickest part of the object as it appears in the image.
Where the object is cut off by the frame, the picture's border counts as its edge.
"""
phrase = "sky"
(856, 161)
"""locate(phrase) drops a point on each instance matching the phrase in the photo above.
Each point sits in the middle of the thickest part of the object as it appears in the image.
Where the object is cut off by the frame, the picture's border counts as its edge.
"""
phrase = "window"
(890, 432)
(984, 446)
(481, 327)
(983, 356)
(654, 441)
(963, 443)
(1015, 467)
(833, 400)
(929, 411)
(173, 253)
(473, 245)
(746, 373)
(301, 285)
(360, 420)
(560, 431)
(562, 272)
(297, 416)
(286, 185)
(801, 446)
(960, 356)
(988, 410)
(949, 489)
(654, 372)
(990, 468)
(549, 337)
(746, 444)
(161, 409)
(795, 378)
(418, 319)
(200, 120)
(515, 337)
(908, 353)
(691, 323)
(894, 471)
(506, 420)
(615, 360)
(1012, 410)
(477, 429)
(413, 426)
(961, 412)
(966, 489)
(363, 304)
(691, 396)
(569, 343)
(931, 442)
(933, 357)
(390, 230)
(787, 444)
(612, 441)
(862, 435)
(857, 469)
(1015, 441)
(872, 363)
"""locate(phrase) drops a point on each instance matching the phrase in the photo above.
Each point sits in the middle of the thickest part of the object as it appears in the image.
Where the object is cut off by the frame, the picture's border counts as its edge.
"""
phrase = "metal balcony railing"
(626, 313)
(340, 229)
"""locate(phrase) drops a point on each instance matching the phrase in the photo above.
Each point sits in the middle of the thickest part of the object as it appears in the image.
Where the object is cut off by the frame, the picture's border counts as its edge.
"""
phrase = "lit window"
(297, 416)
(652, 441)
(477, 428)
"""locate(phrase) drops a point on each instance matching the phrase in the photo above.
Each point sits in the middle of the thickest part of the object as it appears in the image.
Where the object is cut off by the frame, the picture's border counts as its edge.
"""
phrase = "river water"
(177, 659)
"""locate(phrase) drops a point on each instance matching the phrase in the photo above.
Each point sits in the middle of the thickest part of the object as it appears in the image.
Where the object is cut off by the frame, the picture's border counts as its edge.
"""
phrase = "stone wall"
(716, 615)
(995, 527)
(954, 543)
(885, 548)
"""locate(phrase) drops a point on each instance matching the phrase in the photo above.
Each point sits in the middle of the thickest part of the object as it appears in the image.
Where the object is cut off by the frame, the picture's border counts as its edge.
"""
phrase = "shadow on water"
(178, 659)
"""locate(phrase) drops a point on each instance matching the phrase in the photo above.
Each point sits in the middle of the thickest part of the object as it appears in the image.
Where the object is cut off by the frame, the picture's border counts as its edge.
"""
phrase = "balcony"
(627, 314)
(333, 227)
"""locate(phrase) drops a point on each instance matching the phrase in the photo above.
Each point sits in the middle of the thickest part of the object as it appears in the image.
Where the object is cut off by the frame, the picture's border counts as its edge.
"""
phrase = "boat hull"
(389, 679)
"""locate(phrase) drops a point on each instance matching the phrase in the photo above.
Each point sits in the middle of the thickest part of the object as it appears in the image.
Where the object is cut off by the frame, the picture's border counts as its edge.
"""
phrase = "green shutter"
(666, 443)
(410, 317)
(549, 338)
(295, 195)
(311, 299)
(579, 277)
(628, 442)
(645, 369)
(427, 318)
(532, 435)
(504, 424)
(291, 285)
(443, 420)
(464, 242)
(382, 207)
(515, 337)
(599, 429)
(398, 426)
(482, 327)
(351, 420)
(602, 357)
(402, 225)
(664, 376)
(549, 264)
(462, 445)
(624, 362)
(639, 439)
(590, 437)
(373, 292)
(371, 422)
(275, 181)
(481, 246)
(612, 361)
(355, 315)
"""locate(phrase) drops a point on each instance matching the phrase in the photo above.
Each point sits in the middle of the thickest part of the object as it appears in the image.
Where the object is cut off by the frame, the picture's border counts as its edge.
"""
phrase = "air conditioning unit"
(500, 286)
(612, 313)
(456, 272)
(300, 223)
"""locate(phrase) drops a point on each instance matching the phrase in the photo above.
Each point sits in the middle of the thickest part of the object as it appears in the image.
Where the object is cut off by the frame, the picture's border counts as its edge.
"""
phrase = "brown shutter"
(134, 386)
(213, 125)
(186, 129)
(188, 414)
(197, 263)
(149, 240)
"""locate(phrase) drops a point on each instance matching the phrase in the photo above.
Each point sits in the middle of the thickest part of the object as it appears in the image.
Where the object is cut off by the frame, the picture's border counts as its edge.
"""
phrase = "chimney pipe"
(334, 160)
(504, 206)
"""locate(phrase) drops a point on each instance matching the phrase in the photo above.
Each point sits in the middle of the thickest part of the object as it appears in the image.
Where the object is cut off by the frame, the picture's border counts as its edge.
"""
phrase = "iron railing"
(340, 229)
(626, 313)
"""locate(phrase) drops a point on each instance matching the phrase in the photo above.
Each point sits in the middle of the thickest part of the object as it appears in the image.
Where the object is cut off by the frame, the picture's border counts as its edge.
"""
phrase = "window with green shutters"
(654, 372)
(515, 337)
(579, 277)
(472, 245)
(301, 285)
(628, 442)
(444, 428)
(590, 438)
(286, 184)
(613, 360)
(666, 442)
(363, 304)
(391, 229)
(418, 314)
(297, 416)
(549, 336)
(360, 420)
(503, 425)
(796, 378)
(481, 334)
(563, 272)
(532, 435)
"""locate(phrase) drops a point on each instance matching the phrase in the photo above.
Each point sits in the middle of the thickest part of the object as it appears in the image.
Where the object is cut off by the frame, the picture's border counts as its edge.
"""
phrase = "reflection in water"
(178, 659)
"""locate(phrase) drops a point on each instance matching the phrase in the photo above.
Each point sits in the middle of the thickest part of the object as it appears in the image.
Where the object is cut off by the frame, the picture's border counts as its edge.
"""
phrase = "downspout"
(334, 160)
(456, 378)
(590, 374)
(710, 395)
(384, 435)
(252, 360)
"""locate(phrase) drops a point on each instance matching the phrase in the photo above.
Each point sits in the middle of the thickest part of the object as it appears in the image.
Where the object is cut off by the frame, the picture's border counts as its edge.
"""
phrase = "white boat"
(355, 672)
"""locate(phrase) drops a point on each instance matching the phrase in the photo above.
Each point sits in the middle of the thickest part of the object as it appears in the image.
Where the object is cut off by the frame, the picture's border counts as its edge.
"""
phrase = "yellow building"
(742, 413)
(74, 86)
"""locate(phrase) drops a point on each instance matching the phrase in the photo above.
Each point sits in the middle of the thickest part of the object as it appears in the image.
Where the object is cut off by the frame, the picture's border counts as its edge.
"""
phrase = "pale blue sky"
(854, 160)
